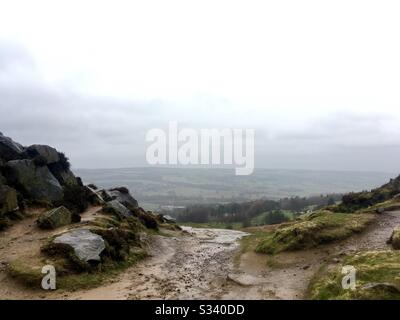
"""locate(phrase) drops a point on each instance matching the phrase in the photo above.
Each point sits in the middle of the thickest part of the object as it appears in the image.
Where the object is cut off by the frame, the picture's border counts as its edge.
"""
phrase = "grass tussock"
(309, 231)
(31, 276)
(372, 267)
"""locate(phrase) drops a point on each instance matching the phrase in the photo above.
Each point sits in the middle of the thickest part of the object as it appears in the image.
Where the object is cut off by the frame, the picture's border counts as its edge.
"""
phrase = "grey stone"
(95, 197)
(8, 200)
(169, 219)
(67, 178)
(9, 149)
(395, 238)
(87, 245)
(57, 217)
(37, 182)
(115, 207)
(104, 194)
(123, 196)
(47, 152)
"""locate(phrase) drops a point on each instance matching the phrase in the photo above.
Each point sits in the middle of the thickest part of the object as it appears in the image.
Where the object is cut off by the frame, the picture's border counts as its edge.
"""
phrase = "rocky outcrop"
(9, 149)
(8, 200)
(64, 176)
(56, 218)
(87, 246)
(48, 153)
(395, 238)
(167, 218)
(117, 208)
(104, 195)
(94, 197)
(37, 183)
(123, 196)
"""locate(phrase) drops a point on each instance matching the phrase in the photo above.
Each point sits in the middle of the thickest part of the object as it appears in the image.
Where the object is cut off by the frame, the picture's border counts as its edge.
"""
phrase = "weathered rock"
(47, 152)
(93, 197)
(8, 200)
(57, 217)
(87, 245)
(115, 207)
(169, 219)
(388, 287)
(37, 182)
(68, 178)
(104, 194)
(64, 176)
(395, 238)
(9, 149)
(123, 196)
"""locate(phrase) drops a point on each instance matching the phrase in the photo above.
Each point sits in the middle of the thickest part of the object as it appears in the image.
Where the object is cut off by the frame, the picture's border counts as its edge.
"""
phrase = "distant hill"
(154, 187)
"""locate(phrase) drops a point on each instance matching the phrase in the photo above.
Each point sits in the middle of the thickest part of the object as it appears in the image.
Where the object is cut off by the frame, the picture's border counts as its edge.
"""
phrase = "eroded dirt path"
(193, 266)
(287, 275)
(200, 264)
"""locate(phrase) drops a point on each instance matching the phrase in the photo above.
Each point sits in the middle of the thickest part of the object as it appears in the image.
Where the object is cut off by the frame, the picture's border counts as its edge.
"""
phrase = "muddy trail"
(287, 275)
(201, 264)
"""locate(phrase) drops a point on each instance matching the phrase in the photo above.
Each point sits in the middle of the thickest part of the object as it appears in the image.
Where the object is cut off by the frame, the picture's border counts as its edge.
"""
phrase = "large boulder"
(104, 195)
(8, 200)
(395, 238)
(167, 218)
(94, 197)
(50, 154)
(9, 149)
(87, 245)
(117, 208)
(123, 196)
(37, 183)
(64, 175)
(57, 217)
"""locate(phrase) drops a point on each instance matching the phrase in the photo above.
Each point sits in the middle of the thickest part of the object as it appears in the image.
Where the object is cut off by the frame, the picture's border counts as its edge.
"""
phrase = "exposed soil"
(200, 264)
(287, 275)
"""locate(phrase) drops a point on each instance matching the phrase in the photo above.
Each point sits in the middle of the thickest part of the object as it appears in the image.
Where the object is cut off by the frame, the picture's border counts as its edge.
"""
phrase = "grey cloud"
(110, 132)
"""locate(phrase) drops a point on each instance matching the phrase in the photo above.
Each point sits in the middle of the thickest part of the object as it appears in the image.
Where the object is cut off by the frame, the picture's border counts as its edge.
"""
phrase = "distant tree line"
(244, 212)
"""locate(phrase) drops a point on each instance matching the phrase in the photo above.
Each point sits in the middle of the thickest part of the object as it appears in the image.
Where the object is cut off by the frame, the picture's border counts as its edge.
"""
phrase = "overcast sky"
(319, 81)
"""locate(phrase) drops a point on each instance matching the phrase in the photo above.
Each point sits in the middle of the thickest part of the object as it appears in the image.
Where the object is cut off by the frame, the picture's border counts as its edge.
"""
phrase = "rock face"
(168, 218)
(95, 198)
(57, 217)
(37, 182)
(115, 207)
(87, 245)
(123, 196)
(395, 238)
(47, 152)
(8, 200)
(9, 149)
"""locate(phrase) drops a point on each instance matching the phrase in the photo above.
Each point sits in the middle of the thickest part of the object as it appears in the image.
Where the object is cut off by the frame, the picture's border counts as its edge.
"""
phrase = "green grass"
(312, 230)
(31, 276)
(371, 267)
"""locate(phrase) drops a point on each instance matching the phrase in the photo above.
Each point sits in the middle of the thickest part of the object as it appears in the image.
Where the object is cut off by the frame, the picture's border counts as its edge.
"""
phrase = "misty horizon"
(321, 96)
